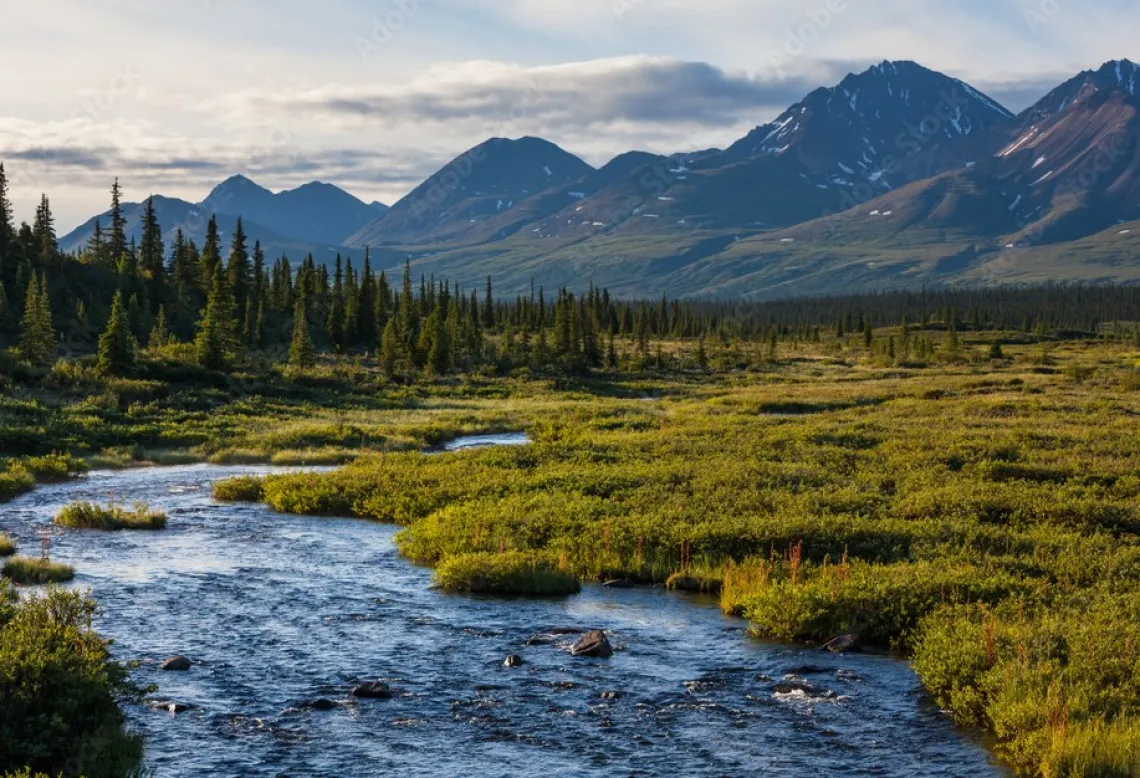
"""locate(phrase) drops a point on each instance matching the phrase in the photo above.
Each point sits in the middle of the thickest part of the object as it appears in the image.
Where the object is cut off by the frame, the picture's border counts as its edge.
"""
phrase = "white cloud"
(374, 94)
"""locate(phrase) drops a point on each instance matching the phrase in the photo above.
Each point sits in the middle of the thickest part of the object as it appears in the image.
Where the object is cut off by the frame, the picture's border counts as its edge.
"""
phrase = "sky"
(375, 95)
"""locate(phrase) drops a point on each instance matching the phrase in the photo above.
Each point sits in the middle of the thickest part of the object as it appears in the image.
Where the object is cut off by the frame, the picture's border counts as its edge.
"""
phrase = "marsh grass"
(509, 573)
(34, 572)
(111, 517)
(981, 514)
(244, 488)
(7, 545)
(825, 497)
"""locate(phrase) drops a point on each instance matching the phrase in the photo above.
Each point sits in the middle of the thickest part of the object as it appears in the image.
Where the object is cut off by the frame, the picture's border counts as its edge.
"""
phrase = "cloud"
(578, 95)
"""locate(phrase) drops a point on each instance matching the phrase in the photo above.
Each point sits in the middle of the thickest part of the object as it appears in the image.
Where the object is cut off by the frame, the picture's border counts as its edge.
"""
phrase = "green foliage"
(58, 691)
(34, 572)
(512, 573)
(85, 515)
(240, 489)
(302, 353)
(7, 546)
(117, 345)
(37, 336)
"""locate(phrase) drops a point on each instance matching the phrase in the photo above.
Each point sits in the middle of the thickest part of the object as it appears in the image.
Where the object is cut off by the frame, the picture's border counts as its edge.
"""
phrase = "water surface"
(278, 611)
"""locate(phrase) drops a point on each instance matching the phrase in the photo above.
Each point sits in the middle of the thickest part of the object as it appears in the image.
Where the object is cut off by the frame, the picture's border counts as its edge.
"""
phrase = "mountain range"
(897, 176)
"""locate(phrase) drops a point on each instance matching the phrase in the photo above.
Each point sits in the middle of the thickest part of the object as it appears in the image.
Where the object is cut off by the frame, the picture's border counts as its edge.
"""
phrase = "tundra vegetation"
(951, 473)
(86, 515)
(60, 691)
(979, 515)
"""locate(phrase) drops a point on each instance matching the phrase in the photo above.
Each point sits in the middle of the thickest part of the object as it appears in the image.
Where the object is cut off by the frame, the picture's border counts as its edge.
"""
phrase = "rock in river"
(514, 660)
(620, 583)
(176, 664)
(593, 644)
(372, 690)
(843, 644)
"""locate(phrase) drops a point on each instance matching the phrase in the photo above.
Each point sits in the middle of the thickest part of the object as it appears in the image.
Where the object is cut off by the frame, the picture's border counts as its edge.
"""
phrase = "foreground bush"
(7, 546)
(85, 515)
(59, 690)
(34, 572)
(508, 573)
(879, 604)
(245, 488)
(1057, 685)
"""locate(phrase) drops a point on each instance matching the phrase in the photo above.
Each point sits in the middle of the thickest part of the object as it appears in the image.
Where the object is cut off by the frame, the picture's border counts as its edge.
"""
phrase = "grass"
(34, 572)
(899, 504)
(241, 489)
(86, 515)
(7, 545)
(981, 515)
(513, 573)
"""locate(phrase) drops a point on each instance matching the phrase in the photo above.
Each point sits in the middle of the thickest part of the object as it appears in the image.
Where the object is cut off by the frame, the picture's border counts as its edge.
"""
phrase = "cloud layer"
(375, 95)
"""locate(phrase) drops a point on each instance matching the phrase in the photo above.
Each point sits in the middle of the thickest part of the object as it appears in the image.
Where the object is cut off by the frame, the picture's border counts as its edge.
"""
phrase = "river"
(278, 611)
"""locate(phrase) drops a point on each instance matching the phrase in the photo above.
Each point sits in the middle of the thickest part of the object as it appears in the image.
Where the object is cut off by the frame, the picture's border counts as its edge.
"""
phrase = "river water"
(279, 611)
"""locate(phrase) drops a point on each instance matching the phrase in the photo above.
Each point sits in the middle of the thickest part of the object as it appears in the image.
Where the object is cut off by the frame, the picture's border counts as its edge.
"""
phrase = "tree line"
(219, 303)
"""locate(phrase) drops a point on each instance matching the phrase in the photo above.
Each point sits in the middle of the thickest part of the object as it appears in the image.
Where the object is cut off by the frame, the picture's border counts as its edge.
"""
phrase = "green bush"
(7, 546)
(16, 481)
(55, 468)
(879, 604)
(86, 515)
(32, 572)
(245, 488)
(59, 690)
(508, 573)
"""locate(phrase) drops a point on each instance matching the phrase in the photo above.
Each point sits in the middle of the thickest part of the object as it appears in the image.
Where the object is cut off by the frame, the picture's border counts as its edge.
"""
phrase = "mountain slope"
(474, 187)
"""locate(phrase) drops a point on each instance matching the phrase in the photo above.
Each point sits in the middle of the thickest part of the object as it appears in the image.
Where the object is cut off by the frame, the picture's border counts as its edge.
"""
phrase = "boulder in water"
(611, 695)
(321, 704)
(843, 644)
(594, 644)
(514, 660)
(176, 664)
(372, 690)
(620, 583)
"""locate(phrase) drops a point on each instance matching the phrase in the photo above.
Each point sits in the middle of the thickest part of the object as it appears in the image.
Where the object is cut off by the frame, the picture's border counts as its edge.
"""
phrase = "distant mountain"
(313, 213)
(478, 185)
(314, 218)
(192, 219)
(897, 176)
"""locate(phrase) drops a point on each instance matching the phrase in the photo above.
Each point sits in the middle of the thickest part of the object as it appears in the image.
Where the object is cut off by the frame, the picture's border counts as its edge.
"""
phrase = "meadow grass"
(86, 515)
(244, 488)
(980, 514)
(34, 572)
(512, 573)
(933, 507)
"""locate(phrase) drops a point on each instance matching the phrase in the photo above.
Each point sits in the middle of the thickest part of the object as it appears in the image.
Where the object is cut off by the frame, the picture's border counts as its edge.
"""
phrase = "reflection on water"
(280, 611)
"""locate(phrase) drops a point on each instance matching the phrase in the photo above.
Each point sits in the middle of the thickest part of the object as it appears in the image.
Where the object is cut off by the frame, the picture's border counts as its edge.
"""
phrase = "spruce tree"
(117, 344)
(240, 276)
(302, 354)
(211, 254)
(37, 337)
(391, 349)
(159, 335)
(216, 342)
(117, 244)
(152, 251)
(7, 227)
